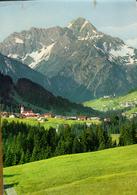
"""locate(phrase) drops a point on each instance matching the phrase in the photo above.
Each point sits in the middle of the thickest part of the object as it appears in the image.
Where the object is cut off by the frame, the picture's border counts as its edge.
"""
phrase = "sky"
(115, 17)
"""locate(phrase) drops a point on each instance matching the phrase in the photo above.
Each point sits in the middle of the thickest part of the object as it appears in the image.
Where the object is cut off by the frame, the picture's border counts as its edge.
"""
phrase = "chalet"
(48, 115)
(12, 116)
(82, 118)
(59, 117)
(127, 104)
(107, 120)
(107, 96)
(4, 114)
(94, 118)
(71, 118)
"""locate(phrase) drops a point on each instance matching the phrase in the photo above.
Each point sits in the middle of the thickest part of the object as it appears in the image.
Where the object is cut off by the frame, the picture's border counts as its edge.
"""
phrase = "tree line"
(24, 143)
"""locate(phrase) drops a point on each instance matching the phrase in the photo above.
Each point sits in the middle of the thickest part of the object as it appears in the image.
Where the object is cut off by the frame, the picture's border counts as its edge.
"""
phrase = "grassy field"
(52, 122)
(106, 172)
(103, 104)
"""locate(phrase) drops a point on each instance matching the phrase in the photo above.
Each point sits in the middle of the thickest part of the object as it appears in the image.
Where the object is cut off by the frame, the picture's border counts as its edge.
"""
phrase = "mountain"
(6, 85)
(81, 62)
(16, 69)
(34, 96)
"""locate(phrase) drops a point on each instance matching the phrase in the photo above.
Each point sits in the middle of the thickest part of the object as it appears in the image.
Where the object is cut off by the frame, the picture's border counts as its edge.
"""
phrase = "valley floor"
(52, 122)
(111, 171)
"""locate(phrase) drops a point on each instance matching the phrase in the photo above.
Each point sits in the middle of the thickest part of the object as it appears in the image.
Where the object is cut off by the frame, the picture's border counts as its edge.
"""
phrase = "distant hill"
(80, 62)
(111, 171)
(34, 96)
(6, 88)
(127, 103)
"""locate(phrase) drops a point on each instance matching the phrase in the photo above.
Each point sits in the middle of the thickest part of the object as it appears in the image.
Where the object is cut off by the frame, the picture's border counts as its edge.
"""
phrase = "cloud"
(132, 42)
(126, 32)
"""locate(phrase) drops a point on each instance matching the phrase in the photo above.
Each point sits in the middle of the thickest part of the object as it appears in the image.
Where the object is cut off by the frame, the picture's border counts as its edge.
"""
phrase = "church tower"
(21, 109)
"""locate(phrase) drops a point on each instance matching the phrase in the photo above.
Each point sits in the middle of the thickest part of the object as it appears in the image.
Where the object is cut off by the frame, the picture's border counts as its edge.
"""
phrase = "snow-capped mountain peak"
(81, 61)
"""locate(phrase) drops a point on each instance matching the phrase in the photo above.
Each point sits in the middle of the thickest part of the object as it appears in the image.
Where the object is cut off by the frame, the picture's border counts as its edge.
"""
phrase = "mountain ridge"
(91, 63)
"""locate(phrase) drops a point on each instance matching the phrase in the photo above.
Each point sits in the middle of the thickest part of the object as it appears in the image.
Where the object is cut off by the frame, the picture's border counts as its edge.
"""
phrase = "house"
(94, 118)
(12, 116)
(27, 113)
(108, 120)
(71, 118)
(107, 96)
(48, 115)
(127, 104)
(59, 117)
(4, 114)
(82, 118)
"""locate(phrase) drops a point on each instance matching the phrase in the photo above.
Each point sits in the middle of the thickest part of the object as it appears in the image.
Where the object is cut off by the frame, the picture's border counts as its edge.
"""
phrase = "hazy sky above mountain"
(114, 17)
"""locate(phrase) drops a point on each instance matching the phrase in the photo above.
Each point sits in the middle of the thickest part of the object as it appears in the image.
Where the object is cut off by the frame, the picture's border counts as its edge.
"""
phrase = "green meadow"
(106, 172)
(107, 104)
(51, 122)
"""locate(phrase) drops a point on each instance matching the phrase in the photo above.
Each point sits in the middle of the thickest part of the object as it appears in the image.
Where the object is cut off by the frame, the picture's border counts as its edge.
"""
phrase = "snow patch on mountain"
(90, 37)
(99, 49)
(131, 60)
(110, 58)
(83, 26)
(18, 40)
(70, 25)
(123, 51)
(40, 55)
(105, 46)
(15, 56)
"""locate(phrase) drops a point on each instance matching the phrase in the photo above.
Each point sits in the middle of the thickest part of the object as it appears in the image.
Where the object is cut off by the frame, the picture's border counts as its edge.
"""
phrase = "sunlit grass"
(103, 104)
(111, 171)
(52, 122)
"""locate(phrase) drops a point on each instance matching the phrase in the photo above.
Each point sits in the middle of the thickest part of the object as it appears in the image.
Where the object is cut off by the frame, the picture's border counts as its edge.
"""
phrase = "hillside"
(16, 70)
(80, 62)
(112, 171)
(35, 96)
(126, 103)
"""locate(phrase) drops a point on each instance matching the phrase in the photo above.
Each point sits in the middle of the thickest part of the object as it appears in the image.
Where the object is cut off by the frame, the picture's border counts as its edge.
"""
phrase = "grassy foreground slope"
(116, 103)
(112, 171)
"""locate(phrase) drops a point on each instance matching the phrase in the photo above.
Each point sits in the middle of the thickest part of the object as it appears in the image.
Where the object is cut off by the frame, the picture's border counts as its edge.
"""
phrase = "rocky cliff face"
(80, 62)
